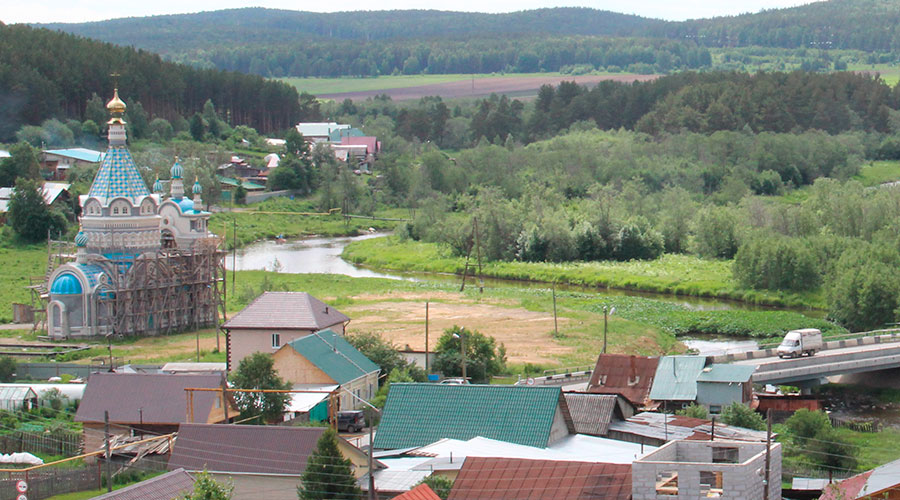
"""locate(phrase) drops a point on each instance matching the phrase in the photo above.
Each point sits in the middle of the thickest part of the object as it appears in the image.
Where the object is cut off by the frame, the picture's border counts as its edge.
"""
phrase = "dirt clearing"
(482, 87)
(526, 334)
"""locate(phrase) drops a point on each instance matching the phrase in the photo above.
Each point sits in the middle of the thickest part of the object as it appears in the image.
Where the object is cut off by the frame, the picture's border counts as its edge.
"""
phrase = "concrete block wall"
(742, 480)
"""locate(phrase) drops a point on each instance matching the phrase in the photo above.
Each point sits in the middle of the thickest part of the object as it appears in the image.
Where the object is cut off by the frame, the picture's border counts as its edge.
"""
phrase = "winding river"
(323, 256)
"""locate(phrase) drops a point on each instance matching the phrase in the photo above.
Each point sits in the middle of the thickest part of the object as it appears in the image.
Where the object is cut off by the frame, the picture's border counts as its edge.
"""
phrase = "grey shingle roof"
(165, 487)
(286, 311)
(591, 413)
(261, 449)
(149, 398)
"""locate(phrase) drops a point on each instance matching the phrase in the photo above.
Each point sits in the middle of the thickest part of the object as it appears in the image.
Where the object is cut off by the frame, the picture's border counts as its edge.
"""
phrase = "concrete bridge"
(863, 354)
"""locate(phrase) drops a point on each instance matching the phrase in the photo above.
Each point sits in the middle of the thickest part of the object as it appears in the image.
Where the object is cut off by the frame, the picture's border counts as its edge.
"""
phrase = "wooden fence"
(49, 443)
(49, 482)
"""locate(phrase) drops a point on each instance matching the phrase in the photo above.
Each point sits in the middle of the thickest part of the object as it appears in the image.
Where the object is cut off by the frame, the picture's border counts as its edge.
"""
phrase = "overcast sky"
(73, 11)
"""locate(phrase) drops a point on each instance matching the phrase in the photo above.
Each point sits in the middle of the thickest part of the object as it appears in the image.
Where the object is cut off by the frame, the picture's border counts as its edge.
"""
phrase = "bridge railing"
(837, 342)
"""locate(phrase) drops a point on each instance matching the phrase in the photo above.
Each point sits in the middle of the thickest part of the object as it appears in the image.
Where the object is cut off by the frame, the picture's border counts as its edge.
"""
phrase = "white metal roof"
(573, 448)
(305, 401)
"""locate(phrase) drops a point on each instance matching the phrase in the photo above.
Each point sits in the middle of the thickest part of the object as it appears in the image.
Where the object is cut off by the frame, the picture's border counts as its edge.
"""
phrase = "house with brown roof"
(629, 376)
(263, 462)
(516, 478)
(275, 319)
(174, 484)
(656, 429)
(881, 482)
(151, 403)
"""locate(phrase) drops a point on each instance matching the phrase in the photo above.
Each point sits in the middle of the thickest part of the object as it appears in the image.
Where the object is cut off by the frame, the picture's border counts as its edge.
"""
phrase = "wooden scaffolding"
(155, 294)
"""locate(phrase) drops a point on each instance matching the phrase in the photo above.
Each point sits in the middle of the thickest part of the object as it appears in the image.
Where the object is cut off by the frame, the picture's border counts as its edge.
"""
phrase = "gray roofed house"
(170, 485)
(676, 379)
(263, 462)
(275, 319)
(592, 413)
(155, 403)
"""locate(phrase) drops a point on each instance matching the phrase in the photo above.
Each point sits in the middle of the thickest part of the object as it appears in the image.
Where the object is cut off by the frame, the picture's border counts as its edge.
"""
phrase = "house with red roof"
(516, 478)
(881, 482)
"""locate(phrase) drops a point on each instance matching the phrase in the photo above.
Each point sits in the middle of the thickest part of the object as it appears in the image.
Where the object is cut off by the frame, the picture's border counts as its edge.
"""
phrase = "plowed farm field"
(472, 87)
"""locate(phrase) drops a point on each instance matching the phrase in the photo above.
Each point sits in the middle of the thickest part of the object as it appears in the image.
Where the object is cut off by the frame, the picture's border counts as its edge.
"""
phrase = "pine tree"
(328, 474)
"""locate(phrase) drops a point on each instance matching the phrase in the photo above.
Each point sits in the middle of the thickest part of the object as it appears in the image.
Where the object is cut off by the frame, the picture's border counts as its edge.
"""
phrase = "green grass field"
(879, 172)
(670, 274)
(890, 73)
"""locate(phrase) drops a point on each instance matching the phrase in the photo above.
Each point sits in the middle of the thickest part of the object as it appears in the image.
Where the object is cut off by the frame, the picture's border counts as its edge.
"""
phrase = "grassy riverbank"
(670, 274)
(293, 219)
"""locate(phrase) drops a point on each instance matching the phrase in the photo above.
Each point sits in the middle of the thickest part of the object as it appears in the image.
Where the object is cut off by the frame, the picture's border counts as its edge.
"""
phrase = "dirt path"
(400, 318)
(482, 87)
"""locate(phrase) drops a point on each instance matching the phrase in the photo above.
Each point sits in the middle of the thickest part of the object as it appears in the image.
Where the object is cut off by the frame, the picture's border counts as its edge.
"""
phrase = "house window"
(667, 483)
(276, 341)
(711, 484)
(723, 455)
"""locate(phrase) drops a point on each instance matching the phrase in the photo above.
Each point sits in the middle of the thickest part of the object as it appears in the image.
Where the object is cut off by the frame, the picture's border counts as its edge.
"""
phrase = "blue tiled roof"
(91, 272)
(118, 177)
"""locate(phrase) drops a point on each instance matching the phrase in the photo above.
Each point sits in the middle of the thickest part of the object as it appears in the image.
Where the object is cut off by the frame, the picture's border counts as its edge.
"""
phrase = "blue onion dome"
(157, 186)
(177, 170)
(186, 205)
(66, 284)
(81, 239)
(197, 188)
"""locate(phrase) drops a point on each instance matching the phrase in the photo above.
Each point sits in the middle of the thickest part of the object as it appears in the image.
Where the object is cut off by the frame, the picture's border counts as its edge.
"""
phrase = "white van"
(799, 342)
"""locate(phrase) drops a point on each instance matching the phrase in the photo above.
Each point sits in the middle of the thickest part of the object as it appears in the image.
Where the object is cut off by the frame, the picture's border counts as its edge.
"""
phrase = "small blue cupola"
(66, 284)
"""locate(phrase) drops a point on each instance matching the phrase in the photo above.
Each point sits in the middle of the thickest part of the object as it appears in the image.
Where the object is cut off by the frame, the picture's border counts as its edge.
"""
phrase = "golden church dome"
(116, 105)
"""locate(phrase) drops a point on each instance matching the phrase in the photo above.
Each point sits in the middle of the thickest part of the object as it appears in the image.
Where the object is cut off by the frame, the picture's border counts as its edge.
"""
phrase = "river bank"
(670, 274)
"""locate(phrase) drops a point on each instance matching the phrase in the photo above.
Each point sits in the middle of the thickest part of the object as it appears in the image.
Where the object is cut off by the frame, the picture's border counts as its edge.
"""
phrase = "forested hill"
(259, 26)
(47, 74)
(868, 25)
(278, 43)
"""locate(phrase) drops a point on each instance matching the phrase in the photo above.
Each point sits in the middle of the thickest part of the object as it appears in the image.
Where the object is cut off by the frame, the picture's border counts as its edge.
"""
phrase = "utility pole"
(426, 338)
(556, 326)
(108, 452)
(768, 452)
(605, 309)
(372, 495)
(462, 348)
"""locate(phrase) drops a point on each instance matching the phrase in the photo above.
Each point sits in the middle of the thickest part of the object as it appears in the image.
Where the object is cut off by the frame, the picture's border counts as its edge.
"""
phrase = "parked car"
(351, 421)
(799, 342)
(454, 381)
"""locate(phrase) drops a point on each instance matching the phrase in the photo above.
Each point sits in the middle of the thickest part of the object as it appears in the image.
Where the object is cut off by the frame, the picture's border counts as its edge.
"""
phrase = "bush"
(483, 357)
(864, 288)
(694, 411)
(740, 415)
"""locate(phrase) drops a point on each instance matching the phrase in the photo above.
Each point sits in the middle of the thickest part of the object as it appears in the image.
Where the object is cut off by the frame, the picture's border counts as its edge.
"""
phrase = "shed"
(720, 385)
(592, 413)
(675, 382)
(419, 414)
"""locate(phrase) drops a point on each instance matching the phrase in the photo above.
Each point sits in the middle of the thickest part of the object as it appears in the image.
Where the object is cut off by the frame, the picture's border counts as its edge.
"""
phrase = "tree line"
(46, 74)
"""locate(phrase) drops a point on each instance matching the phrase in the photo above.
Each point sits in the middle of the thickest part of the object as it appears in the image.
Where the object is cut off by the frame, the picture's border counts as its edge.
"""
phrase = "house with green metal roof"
(675, 382)
(720, 385)
(419, 414)
(325, 358)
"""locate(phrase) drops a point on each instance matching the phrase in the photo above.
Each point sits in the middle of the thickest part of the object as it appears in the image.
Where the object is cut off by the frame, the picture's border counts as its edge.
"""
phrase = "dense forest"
(278, 43)
(46, 74)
